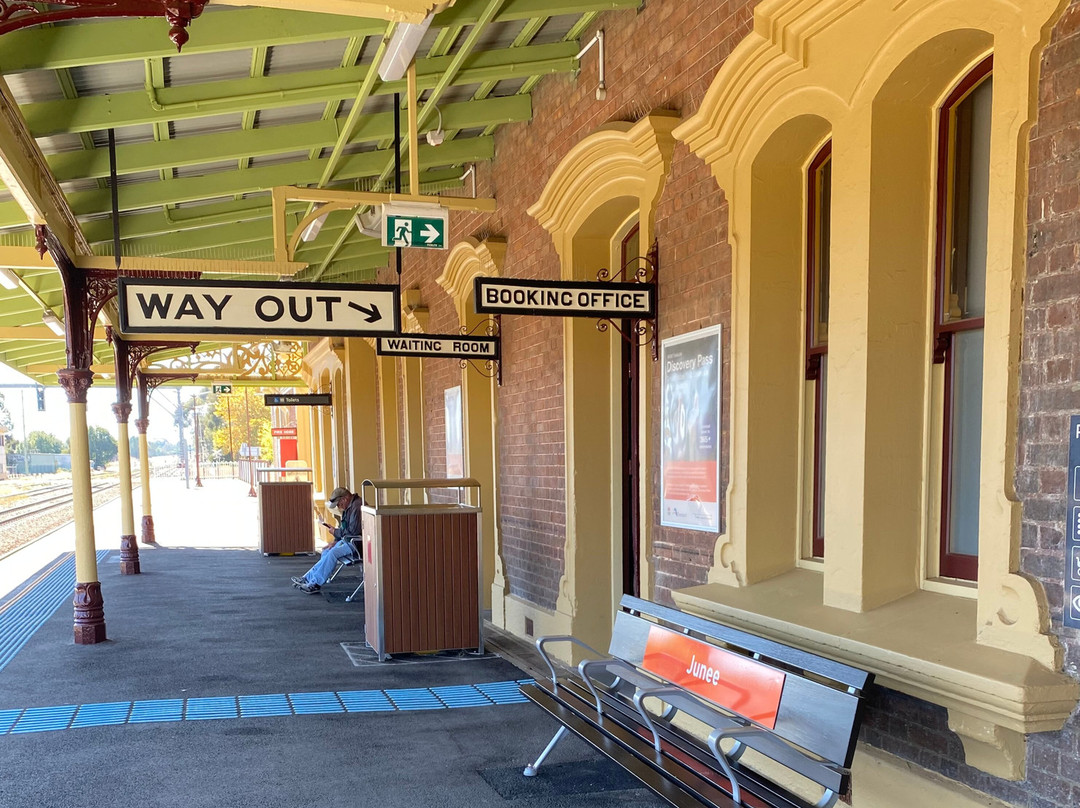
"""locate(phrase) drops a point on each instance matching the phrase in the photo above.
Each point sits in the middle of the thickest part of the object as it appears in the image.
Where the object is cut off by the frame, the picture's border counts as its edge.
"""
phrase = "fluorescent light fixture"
(369, 222)
(436, 135)
(8, 279)
(402, 48)
(312, 230)
(53, 322)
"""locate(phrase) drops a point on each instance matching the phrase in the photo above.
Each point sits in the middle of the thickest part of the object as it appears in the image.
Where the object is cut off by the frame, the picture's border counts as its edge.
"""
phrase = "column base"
(89, 613)
(129, 555)
(148, 530)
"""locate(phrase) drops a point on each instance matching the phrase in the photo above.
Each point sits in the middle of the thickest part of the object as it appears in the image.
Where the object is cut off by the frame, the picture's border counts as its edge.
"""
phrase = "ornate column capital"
(122, 410)
(75, 382)
(141, 424)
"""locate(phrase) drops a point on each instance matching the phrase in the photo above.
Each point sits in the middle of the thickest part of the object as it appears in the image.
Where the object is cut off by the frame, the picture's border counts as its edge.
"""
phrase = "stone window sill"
(923, 645)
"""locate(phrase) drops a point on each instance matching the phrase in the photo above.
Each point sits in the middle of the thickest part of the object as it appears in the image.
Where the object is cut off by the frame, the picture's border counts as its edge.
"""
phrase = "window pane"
(967, 373)
(824, 241)
(971, 186)
(819, 471)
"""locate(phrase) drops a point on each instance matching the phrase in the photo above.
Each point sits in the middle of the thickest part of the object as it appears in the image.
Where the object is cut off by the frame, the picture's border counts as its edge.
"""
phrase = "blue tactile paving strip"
(28, 607)
(72, 716)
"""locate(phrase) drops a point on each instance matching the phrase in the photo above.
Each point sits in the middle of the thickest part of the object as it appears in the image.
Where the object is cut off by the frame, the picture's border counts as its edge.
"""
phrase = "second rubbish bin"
(422, 566)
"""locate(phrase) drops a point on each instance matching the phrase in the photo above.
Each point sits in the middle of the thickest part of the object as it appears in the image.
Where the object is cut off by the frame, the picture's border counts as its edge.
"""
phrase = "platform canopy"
(259, 97)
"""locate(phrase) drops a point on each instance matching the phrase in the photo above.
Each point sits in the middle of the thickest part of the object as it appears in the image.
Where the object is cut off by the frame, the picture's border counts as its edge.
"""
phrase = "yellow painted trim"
(871, 74)
(25, 172)
(412, 11)
(469, 259)
(613, 174)
(205, 266)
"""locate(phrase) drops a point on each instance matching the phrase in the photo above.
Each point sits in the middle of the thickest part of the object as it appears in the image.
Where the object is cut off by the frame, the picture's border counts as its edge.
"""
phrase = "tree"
(5, 416)
(218, 427)
(38, 442)
(103, 446)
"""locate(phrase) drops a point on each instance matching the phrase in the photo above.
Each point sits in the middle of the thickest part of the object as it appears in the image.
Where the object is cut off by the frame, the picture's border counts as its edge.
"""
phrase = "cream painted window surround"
(870, 75)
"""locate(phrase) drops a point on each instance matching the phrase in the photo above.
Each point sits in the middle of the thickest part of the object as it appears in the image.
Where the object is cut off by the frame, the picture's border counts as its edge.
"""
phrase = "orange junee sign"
(733, 681)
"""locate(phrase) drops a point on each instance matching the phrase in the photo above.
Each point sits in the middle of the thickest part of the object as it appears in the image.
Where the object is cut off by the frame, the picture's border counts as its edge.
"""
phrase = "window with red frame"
(960, 303)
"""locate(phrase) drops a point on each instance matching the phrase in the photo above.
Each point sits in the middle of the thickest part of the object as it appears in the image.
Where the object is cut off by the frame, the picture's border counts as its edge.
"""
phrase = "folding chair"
(357, 557)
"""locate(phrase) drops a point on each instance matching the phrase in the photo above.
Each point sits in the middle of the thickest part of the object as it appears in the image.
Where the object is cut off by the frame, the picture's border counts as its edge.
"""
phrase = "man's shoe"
(298, 580)
(311, 589)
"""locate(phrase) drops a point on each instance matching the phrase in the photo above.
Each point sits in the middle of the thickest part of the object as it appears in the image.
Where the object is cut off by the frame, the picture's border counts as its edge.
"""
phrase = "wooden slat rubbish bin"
(286, 511)
(422, 568)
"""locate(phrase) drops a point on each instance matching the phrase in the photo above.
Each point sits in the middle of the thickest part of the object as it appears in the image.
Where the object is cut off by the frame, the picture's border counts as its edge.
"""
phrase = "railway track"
(54, 497)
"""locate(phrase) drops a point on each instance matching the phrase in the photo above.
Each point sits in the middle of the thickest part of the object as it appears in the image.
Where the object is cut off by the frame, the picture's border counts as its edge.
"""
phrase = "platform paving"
(248, 694)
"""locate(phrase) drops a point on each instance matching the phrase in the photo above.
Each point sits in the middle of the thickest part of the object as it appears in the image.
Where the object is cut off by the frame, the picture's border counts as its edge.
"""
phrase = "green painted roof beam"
(144, 225)
(234, 29)
(98, 112)
(200, 149)
(144, 38)
(229, 183)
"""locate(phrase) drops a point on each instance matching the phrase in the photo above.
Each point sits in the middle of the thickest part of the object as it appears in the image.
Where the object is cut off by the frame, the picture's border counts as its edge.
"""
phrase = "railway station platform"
(222, 685)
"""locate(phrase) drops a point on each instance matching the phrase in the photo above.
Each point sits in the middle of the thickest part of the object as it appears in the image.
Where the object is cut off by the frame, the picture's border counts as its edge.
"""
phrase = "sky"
(99, 401)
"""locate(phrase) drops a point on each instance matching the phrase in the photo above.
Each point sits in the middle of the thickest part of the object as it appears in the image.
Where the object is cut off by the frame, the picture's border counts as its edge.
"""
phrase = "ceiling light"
(369, 222)
(53, 322)
(436, 135)
(312, 230)
(8, 279)
(598, 40)
(402, 48)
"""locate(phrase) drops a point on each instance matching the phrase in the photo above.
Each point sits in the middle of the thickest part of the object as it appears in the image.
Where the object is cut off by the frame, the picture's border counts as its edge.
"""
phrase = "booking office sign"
(690, 423)
(1071, 614)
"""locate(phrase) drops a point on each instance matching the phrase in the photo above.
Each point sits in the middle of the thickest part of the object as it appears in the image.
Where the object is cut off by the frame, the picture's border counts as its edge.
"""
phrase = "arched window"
(818, 231)
(960, 304)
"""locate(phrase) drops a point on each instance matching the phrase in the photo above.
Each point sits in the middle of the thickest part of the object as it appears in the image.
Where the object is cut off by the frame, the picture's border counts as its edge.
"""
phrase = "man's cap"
(337, 494)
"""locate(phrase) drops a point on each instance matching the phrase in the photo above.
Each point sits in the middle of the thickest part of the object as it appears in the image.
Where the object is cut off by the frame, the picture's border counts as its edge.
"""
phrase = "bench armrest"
(663, 694)
(610, 664)
(542, 641)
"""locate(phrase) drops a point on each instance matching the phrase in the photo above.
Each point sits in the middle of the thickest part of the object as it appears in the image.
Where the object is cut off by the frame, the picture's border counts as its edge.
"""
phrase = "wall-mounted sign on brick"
(1072, 533)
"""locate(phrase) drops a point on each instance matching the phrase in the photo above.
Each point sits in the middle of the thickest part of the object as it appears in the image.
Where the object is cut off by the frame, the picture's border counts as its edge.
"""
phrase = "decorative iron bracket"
(17, 14)
(490, 368)
(641, 331)
(149, 382)
(129, 355)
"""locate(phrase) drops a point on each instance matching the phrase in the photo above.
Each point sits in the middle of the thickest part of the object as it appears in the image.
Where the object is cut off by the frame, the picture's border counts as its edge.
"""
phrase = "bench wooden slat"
(827, 668)
(618, 745)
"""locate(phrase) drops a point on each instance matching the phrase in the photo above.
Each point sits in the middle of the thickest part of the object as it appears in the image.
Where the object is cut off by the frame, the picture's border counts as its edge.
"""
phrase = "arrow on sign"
(372, 314)
(430, 233)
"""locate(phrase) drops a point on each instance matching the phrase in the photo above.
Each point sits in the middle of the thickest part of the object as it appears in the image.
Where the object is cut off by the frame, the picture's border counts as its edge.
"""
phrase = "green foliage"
(155, 448)
(5, 416)
(38, 442)
(103, 447)
(229, 426)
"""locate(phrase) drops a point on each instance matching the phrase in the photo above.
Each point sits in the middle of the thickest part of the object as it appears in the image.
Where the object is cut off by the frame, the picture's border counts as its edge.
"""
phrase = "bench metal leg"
(533, 768)
(828, 799)
(354, 592)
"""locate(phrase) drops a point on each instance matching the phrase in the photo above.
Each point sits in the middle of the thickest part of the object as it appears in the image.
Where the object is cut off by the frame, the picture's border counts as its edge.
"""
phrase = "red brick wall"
(1049, 374)
(664, 56)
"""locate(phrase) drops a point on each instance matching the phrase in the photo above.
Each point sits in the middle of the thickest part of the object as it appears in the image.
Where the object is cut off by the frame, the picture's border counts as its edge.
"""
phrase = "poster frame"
(713, 414)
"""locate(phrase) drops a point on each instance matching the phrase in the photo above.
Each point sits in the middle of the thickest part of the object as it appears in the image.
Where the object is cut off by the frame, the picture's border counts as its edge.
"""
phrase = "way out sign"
(157, 306)
(415, 226)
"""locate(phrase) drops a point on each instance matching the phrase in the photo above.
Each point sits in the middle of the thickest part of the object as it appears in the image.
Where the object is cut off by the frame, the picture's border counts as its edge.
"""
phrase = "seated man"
(346, 506)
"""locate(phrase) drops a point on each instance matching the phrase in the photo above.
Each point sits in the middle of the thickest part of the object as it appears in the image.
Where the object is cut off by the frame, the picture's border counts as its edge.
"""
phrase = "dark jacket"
(349, 524)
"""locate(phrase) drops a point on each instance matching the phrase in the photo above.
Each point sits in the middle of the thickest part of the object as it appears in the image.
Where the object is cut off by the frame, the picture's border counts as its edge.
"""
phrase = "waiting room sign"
(436, 345)
(183, 306)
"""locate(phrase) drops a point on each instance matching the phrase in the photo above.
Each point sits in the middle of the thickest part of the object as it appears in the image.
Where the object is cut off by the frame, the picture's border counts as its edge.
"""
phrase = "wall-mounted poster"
(455, 447)
(690, 445)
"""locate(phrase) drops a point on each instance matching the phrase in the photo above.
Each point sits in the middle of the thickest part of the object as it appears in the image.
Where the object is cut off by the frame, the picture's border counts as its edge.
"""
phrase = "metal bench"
(796, 708)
